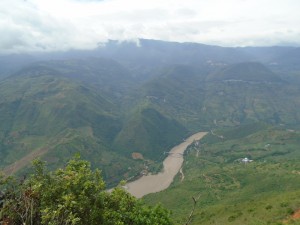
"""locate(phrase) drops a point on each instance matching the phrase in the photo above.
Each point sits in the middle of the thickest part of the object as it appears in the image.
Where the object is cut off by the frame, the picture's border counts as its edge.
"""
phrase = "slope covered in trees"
(120, 99)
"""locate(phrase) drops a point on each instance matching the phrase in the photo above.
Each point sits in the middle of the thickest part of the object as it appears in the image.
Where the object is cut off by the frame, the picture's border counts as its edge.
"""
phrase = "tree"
(74, 195)
(124, 209)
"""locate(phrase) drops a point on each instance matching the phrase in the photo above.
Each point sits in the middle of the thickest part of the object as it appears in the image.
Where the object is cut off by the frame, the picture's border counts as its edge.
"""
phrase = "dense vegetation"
(230, 191)
(121, 106)
(73, 195)
(46, 115)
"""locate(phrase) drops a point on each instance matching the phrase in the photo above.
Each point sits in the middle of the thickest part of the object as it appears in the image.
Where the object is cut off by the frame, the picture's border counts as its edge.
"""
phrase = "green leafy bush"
(73, 195)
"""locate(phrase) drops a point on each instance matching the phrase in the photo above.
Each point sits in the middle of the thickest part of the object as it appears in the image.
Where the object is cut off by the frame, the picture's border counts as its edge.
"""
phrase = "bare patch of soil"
(137, 155)
(296, 215)
(293, 217)
(11, 169)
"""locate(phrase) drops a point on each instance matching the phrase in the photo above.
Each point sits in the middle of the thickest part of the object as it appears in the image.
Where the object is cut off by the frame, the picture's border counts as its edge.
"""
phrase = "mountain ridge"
(246, 71)
(97, 102)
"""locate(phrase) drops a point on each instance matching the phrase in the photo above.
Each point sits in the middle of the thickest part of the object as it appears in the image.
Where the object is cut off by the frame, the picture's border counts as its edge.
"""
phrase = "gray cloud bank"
(57, 25)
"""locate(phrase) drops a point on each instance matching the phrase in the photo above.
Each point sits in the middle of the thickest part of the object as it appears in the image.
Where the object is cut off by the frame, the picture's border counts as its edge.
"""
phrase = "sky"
(59, 25)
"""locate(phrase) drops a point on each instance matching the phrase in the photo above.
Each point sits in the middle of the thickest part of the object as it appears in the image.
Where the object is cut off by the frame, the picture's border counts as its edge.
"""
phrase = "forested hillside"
(125, 112)
(123, 99)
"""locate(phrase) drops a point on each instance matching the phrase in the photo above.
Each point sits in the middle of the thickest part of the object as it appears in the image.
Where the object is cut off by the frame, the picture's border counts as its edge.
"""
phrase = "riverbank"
(171, 166)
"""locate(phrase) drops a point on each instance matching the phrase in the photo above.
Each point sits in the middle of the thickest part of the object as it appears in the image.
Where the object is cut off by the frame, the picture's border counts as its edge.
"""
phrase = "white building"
(246, 160)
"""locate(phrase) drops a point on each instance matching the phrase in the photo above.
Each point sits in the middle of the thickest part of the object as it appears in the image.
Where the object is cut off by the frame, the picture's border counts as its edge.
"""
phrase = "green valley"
(230, 190)
(123, 106)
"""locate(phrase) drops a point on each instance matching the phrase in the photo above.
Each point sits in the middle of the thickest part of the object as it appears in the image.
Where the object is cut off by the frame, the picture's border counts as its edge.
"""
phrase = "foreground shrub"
(74, 195)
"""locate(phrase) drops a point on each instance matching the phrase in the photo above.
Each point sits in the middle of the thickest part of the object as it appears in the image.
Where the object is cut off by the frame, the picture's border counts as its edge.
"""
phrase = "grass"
(265, 191)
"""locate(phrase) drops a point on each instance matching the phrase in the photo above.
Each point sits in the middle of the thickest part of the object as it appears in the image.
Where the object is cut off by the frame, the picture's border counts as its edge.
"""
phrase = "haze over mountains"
(124, 98)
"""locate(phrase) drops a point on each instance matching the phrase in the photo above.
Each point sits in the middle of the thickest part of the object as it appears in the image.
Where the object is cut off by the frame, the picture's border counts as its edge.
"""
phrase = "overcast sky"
(35, 25)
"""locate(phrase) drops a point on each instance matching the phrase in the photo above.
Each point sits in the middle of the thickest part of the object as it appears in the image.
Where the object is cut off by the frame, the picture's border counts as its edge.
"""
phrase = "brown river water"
(171, 166)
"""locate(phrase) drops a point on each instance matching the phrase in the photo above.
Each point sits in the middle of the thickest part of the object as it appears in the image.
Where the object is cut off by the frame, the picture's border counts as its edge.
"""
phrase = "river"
(171, 165)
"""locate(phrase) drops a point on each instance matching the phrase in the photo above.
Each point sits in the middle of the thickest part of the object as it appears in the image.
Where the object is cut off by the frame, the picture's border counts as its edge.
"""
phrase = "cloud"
(43, 25)
(24, 28)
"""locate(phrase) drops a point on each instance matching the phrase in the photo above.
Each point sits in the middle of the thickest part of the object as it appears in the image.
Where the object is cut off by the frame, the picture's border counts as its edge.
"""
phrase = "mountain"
(150, 133)
(45, 114)
(124, 98)
(247, 71)
(54, 109)
(106, 75)
(10, 64)
(144, 57)
(237, 94)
